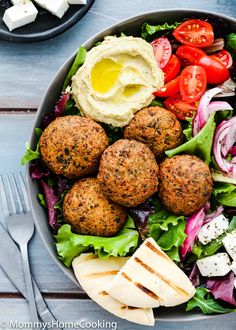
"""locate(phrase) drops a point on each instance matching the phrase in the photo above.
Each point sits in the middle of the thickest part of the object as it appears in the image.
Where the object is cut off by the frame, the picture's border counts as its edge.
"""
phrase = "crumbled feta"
(216, 265)
(77, 2)
(19, 15)
(213, 229)
(233, 267)
(230, 244)
(56, 7)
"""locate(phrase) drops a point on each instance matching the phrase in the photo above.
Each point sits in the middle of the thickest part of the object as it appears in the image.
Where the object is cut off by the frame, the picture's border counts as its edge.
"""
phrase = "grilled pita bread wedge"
(150, 279)
(93, 275)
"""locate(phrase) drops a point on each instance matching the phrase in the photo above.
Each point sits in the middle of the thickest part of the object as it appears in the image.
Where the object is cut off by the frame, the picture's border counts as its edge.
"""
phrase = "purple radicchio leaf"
(58, 110)
(38, 171)
(140, 216)
(194, 276)
(51, 199)
(222, 287)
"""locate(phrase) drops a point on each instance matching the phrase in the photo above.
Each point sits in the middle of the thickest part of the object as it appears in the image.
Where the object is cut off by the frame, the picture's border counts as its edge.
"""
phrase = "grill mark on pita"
(101, 274)
(141, 287)
(87, 258)
(162, 277)
(129, 307)
(103, 293)
(154, 249)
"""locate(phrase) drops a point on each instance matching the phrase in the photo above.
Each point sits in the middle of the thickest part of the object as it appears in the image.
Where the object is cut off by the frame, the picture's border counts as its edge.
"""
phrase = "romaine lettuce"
(200, 145)
(225, 194)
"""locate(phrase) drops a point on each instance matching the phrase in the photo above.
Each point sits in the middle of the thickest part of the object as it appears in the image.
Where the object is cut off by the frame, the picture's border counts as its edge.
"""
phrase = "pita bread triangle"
(93, 275)
(150, 279)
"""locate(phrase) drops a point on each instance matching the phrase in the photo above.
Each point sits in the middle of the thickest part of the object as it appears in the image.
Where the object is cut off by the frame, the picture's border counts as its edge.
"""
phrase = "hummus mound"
(117, 79)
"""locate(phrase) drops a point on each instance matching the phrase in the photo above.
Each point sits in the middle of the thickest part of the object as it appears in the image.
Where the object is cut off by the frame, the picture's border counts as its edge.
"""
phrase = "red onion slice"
(224, 139)
(213, 215)
(202, 115)
(218, 106)
(194, 224)
(233, 151)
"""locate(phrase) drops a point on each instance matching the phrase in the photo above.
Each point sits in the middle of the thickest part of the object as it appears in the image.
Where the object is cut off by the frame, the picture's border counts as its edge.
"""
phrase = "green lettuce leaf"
(225, 194)
(31, 154)
(188, 130)
(167, 230)
(78, 61)
(148, 29)
(70, 245)
(208, 305)
(231, 43)
(200, 145)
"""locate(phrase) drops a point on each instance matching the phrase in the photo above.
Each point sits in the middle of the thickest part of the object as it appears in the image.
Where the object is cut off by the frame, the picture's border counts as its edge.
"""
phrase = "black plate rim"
(48, 34)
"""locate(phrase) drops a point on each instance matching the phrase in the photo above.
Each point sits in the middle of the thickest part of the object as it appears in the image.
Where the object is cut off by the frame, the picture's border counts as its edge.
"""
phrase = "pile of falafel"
(111, 178)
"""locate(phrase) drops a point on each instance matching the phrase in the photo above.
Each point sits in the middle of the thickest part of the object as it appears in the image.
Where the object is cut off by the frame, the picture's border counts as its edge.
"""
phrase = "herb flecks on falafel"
(72, 146)
(90, 212)
(156, 127)
(128, 172)
(185, 184)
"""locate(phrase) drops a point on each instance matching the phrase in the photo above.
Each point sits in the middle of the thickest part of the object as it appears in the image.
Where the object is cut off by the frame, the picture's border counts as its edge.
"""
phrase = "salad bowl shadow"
(130, 26)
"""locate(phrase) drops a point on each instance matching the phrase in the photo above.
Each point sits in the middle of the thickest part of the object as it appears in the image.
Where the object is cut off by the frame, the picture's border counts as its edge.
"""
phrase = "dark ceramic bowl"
(45, 26)
(130, 26)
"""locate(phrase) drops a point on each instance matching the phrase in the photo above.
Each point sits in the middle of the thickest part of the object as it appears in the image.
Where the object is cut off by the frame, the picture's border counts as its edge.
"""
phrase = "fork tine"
(11, 203)
(16, 192)
(25, 198)
(5, 201)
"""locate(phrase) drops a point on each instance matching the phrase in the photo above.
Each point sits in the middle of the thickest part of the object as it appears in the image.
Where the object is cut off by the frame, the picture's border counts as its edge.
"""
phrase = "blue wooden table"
(25, 72)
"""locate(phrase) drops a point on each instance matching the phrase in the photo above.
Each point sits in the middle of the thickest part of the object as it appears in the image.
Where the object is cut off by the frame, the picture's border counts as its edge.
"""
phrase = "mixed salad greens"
(198, 58)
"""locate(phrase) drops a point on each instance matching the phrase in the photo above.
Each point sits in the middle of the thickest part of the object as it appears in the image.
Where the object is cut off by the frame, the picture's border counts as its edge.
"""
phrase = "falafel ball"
(185, 184)
(72, 146)
(90, 212)
(128, 172)
(157, 127)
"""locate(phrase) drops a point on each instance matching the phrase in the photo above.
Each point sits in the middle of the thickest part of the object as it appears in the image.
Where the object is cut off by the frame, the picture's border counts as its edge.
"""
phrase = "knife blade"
(10, 262)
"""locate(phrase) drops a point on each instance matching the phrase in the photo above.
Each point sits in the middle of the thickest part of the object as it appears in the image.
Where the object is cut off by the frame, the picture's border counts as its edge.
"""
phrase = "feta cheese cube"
(230, 244)
(77, 2)
(19, 15)
(233, 267)
(216, 265)
(56, 7)
(213, 229)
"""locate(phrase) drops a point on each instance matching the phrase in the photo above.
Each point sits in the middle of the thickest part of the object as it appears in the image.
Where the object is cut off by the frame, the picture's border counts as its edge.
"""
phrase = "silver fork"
(20, 225)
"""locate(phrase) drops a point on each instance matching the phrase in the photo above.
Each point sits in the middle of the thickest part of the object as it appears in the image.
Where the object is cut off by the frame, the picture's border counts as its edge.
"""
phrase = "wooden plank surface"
(14, 132)
(26, 71)
(74, 310)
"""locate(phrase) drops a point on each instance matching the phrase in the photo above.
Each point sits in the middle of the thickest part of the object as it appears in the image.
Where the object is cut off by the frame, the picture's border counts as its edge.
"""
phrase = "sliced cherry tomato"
(172, 68)
(194, 32)
(193, 82)
(225, 58)
(181, 109)
(169, 89)
(189, 55)
(216, 71)
(162, 51)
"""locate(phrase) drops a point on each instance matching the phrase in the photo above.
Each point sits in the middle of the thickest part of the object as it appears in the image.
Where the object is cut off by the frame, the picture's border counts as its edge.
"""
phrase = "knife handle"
(28, 283)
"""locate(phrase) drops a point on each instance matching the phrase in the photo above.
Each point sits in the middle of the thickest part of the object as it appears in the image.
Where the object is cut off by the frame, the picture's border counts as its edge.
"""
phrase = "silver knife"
(10, 261)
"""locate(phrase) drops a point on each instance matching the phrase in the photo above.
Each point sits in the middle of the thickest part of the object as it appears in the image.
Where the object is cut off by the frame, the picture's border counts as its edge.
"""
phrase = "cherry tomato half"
(172, 68)
(225, 58)
(189, 55)
(193, 82)
(169, 89)
(194, 32)
(181, 109)
(162, 51)
(216, 71)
